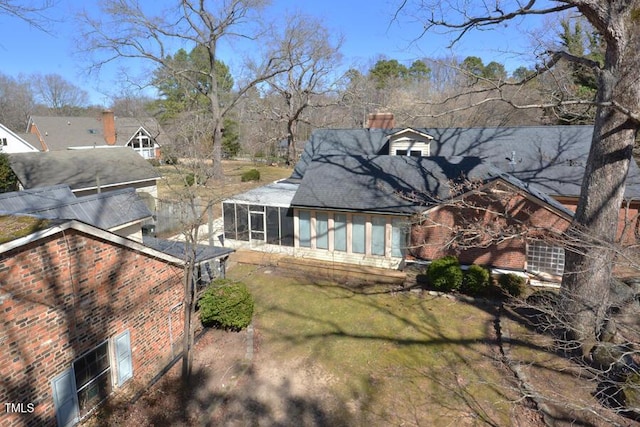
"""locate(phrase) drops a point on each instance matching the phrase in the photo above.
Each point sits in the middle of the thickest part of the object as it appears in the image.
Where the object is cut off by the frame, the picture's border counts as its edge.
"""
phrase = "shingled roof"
(550, 159)
(108, 211)
(394, 184)
(61, 133)
(82, 169)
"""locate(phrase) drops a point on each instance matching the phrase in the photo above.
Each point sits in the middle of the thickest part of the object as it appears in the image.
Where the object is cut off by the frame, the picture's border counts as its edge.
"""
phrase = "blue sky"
(366, 25)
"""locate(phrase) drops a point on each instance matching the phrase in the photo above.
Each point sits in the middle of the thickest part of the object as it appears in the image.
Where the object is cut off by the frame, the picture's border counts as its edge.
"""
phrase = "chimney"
(109, 127)
(381, 121)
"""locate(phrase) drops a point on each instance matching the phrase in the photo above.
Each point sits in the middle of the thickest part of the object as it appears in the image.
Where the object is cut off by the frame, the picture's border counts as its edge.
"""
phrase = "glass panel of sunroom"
(322, 230)
(273, 226)
(304, 236)
(377, 235)
(397, 237)
(340, 232)
(242, 222)
(358, 240)
(229, 213)
(286, 226)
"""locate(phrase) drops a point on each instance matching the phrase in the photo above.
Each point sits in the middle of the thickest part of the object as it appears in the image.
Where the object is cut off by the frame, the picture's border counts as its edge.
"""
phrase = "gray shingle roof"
(550, 159)
(395, 184)
(60, 133)
(105, 210)
(177, 249)
(81, 169)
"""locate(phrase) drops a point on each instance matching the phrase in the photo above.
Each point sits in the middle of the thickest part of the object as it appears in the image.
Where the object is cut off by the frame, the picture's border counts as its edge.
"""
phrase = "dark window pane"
(257, 222)
(229, 213)
(286, 227)
(242, 222)
(273, 226)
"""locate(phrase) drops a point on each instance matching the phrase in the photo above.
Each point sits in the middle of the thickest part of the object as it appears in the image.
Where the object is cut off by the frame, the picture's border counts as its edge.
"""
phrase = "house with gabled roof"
(85, 313)
(121, 212)
(144, 135)
(382, 196)
(86, 171)
(11, 142)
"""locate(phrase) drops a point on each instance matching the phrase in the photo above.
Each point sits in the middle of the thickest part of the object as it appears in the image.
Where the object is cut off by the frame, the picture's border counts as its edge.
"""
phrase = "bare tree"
(16, 102)
(126, 31)
(31, 12)
(311, 57)
(57, 93)
(586, 283)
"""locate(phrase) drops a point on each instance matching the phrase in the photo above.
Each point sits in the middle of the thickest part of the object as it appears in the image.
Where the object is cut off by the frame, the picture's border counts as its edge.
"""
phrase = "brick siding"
(63, 295)
(437, 234)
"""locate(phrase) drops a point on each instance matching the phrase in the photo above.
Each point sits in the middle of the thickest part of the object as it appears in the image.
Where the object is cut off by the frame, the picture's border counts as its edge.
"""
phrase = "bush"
(445, 274)
(190, 179)
(154, 162)
(512, 284)
(250, 175)
(475, 280)
(226, 304)
(170, 160)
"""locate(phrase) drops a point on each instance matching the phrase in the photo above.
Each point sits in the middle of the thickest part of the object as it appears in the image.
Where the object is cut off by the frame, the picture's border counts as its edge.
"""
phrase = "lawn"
(387, 358)
(173, 177)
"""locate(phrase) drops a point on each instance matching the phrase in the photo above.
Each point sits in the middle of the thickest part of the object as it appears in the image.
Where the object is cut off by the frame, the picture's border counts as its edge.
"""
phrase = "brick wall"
(62, 296)
(488, 230)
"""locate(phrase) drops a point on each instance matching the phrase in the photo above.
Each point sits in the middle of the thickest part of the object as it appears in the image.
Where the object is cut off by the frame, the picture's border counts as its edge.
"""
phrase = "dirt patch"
(232, 386)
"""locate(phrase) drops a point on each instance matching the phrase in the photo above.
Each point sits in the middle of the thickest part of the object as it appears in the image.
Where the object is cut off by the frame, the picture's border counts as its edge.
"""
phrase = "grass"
(399, 357)
(172, 185)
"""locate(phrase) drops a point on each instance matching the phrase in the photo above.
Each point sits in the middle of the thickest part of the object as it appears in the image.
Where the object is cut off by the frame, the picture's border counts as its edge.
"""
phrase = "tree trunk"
(187, 339)
(589, 264)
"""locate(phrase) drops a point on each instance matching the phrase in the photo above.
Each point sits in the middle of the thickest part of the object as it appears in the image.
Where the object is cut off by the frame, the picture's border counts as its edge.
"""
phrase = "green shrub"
(445, 274)
(170, 160)
(250, 175)
(475, 280)
(512, 284)
(226, 304)
(190, 179)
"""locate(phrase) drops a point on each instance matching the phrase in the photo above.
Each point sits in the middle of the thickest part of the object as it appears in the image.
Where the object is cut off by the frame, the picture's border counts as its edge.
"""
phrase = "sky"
(367, 26)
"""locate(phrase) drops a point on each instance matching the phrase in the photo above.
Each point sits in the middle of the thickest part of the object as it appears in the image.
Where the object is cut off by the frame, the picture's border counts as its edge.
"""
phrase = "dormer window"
(410, 142)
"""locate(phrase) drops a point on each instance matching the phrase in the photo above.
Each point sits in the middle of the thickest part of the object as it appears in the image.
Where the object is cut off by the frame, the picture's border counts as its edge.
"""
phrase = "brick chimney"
(381, 121)
(109, 127)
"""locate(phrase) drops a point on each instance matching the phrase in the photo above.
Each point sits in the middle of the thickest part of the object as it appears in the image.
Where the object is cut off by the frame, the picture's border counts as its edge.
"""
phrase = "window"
(358, 237)
(322, 231)
(3, 142)
(378, 225)
(93, 378)
(83, 386)
(143, 145)
(340, 232)
(397, 237)
(304, 236)
(542, 258)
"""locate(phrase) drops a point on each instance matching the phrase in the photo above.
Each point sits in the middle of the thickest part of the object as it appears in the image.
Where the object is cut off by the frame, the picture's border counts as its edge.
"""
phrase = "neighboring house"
(143, 135)
(83, 313)
(382, 196)
(11, 142)
(87, 171)
(122, 211)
